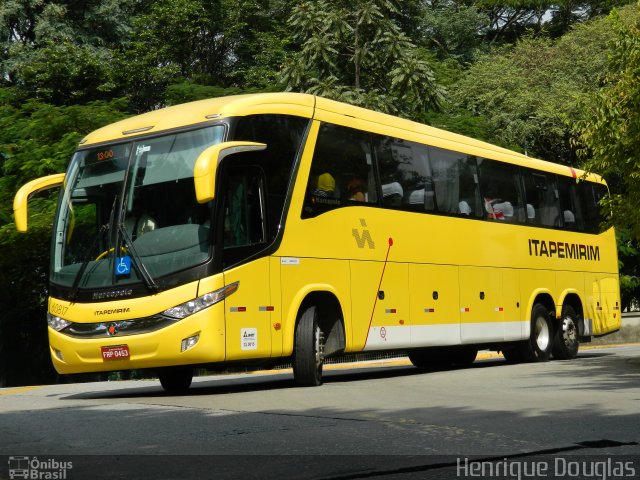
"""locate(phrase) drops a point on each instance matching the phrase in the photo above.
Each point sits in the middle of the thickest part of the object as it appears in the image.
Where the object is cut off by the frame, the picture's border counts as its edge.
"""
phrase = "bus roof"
(308, 106)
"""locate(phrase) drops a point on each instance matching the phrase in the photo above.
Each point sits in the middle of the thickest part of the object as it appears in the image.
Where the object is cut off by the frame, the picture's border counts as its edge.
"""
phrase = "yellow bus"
(272, 227)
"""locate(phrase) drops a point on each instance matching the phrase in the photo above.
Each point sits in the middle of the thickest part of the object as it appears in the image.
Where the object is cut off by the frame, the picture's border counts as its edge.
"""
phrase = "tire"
(308, 350)
(464, 356)
(512, 355)
(566, 341)
(438, 358)
(430, 358)
(176, 380)
(538, 347)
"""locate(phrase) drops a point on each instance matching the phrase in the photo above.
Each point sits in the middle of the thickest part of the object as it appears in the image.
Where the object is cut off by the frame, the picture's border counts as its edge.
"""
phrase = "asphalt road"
(381, 420)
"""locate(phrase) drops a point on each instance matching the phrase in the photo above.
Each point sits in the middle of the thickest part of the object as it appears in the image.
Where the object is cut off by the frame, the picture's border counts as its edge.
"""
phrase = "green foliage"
(629, 263)
(61, 52)
(186, 91)
(610, 131)
(36, 139)
(222, 43)
(453, 28)
(355, 51)
(529, 92)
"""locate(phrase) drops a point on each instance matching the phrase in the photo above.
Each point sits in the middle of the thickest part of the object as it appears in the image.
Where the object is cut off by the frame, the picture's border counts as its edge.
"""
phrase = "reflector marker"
(390, 310)
(268, 308)
(238, 309)
(465, 310)
(499, 309)
(429, 310)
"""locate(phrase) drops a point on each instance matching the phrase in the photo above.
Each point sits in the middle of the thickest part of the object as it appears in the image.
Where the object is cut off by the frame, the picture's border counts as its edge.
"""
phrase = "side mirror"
(204, 171)
(22, 197)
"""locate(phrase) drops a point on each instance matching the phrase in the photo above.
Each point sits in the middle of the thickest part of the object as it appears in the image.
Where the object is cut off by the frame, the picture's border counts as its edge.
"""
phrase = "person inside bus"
(356, 189)
(326, 186)
(138, 221)
(498, 209)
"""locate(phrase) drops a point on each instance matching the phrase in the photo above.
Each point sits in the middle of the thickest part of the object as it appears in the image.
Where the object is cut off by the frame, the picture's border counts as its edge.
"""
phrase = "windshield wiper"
(148, 279)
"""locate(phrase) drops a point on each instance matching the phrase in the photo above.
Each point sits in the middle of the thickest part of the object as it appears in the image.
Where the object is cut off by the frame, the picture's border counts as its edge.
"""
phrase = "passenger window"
(455, 182)
(404, 174)
(500, 193)
(570, 205)
(591, 194)
(342, 171)
(543, 202)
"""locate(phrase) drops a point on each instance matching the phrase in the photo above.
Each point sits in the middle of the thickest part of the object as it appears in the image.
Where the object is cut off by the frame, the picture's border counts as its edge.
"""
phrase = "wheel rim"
(319, 348)
(543, 335)
(569, 331)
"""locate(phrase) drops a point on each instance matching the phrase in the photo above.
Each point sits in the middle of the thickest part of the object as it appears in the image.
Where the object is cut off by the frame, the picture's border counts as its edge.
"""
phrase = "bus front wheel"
(308, 350)
(176, 379)
(566, 341)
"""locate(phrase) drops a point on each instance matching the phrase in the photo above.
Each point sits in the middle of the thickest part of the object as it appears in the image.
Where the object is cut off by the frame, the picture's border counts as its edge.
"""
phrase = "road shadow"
(258, 382)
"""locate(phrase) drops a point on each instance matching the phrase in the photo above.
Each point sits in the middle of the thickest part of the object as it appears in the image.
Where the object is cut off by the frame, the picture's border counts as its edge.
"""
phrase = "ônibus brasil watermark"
(553, 468)
(35, 468)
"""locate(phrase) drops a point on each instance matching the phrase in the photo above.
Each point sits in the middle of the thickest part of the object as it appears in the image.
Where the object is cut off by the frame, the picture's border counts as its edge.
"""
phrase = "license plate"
(115, 352)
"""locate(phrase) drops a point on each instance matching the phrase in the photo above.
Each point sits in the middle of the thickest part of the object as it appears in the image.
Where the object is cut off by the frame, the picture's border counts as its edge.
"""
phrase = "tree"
(609, 134)
(36, 139)
(530, 92)
(452, 28)
(355, 51)
(212, 43)
(62, 52)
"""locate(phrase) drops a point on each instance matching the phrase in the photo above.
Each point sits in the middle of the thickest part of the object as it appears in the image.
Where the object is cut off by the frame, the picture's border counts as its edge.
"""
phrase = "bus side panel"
(301, 277)
(511, 305)
(248, 311)
(481, 318)
(276, 302)
(435, 316)
(387, 308)
(604, 304)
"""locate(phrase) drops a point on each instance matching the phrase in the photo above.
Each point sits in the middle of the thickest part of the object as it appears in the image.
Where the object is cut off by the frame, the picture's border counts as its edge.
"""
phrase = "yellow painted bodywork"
(22, 197)
(442, 274)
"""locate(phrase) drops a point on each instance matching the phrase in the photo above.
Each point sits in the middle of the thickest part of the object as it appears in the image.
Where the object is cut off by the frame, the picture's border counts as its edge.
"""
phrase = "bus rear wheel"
(176, 379)
(308, 354)
(566, 341)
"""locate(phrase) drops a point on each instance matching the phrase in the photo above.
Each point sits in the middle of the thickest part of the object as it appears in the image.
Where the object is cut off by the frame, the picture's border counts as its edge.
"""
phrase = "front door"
(249, 310)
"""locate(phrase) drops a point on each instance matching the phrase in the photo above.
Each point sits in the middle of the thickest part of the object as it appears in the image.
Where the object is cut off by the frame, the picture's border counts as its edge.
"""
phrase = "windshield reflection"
(129, 212)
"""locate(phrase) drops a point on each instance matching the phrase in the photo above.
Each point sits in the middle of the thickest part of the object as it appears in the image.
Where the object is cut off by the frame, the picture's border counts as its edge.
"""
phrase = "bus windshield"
(128, 212)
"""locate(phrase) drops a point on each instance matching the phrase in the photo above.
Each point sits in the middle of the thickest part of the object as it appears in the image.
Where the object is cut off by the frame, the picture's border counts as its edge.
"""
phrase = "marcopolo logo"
(38, 469)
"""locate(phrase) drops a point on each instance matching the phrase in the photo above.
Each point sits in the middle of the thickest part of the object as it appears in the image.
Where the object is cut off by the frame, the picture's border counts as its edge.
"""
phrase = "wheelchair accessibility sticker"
(123, 265)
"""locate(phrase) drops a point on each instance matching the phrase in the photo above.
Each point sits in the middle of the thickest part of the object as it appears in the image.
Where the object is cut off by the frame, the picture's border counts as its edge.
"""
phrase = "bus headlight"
(193, 306)
(57, 323)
